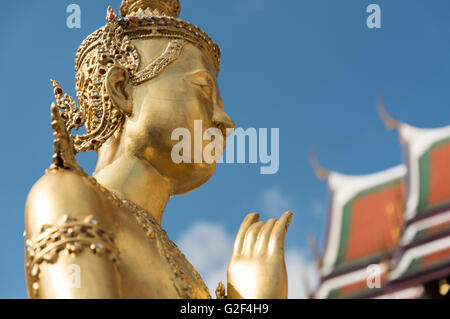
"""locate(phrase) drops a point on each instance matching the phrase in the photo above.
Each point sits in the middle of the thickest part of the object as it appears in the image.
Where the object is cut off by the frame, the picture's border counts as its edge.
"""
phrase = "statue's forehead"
(191, 59)
(196, 59)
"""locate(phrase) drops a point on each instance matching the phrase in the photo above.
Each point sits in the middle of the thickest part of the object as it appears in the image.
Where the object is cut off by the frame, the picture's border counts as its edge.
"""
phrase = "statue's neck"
(137, 181)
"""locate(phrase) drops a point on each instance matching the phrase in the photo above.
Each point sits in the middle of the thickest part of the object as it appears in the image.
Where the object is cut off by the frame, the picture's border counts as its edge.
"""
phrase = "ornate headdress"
(111, 46)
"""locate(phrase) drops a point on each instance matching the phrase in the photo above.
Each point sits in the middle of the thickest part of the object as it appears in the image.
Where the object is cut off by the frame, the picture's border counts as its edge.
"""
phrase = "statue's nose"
(223, 121)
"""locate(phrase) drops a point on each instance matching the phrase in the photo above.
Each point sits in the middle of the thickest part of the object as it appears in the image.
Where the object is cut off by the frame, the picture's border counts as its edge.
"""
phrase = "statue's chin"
(192, 178)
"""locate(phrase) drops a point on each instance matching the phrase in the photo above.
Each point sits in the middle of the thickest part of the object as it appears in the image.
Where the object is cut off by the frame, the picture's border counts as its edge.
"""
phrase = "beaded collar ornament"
(111, 46)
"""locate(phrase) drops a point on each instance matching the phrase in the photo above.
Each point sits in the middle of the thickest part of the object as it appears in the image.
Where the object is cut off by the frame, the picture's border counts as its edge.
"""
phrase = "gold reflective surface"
(109, 225)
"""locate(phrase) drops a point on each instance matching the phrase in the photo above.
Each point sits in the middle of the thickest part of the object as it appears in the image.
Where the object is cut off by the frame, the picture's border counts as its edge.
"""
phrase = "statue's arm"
(70, 250)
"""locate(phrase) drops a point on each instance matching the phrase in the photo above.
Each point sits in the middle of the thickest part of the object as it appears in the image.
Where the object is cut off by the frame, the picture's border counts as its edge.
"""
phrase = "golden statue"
(137, 79)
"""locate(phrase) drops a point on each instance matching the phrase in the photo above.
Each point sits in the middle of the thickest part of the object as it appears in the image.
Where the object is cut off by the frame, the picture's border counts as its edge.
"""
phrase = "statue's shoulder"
(65, 190)
(59, 194)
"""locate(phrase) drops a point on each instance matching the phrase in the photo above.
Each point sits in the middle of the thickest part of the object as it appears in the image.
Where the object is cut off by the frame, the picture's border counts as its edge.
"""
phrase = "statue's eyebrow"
(202, 74)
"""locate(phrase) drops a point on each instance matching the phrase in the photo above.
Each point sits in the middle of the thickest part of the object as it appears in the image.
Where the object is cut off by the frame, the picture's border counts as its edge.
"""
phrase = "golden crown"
(111, 46)
(169, 7)
(143, 19)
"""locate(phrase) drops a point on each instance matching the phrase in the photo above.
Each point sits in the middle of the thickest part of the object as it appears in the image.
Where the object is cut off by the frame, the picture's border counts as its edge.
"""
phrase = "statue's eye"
(204, 81)
(207, 90)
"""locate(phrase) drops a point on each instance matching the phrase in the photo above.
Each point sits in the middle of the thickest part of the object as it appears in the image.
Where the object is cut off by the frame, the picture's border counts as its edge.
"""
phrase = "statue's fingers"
(250, 237)
(264, 236)
(279, 232)
(239, 242)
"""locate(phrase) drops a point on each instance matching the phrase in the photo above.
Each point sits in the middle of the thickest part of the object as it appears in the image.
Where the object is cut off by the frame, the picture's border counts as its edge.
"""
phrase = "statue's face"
(186, 91)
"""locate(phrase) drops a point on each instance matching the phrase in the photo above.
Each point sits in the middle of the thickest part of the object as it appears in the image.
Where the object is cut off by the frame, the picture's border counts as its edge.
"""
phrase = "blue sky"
(309, 67)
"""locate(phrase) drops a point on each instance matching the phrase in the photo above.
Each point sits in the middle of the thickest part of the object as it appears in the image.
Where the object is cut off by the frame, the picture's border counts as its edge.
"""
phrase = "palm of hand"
(257, 269)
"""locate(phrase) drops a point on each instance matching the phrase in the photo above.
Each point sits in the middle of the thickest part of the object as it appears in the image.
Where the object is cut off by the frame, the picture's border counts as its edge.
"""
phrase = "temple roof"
(365, 217)
(397, 219)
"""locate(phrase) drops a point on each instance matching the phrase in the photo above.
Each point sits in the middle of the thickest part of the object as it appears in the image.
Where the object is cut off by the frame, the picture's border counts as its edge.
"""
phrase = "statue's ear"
(117, 80)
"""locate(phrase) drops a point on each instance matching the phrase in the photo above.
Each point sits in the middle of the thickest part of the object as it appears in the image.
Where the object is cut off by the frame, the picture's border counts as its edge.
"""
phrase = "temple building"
(388, 233)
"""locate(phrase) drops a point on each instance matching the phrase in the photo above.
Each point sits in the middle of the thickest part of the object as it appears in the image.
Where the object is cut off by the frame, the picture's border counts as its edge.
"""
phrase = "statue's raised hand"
(257, 269)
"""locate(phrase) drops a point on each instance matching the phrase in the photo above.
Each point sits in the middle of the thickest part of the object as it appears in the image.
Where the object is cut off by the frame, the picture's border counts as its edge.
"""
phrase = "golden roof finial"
(385, 254)
(321, 173)
(444, 287)
(312, 243)
(391, 123)
(169, 8)
(309, 294)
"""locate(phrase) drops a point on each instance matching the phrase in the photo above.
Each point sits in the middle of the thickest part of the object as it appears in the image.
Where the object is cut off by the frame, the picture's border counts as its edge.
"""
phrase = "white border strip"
(419, 141)
(345, 280)
(409, 293)
(416, 252)
(417, 226)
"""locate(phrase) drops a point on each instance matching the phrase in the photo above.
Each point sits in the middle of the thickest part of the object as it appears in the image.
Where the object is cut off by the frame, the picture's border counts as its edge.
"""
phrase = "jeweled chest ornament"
(111, 46)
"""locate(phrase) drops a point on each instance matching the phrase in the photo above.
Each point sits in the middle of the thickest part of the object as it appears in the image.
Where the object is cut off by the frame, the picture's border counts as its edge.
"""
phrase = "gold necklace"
(184, 276)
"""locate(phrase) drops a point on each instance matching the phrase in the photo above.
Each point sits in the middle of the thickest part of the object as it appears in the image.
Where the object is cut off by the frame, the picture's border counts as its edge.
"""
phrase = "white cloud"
(318, 208)
(275, 202)
(302, 275)
(208, 246)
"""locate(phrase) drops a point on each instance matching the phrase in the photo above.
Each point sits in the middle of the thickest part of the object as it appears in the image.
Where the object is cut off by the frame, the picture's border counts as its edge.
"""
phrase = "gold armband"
(71, 237)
